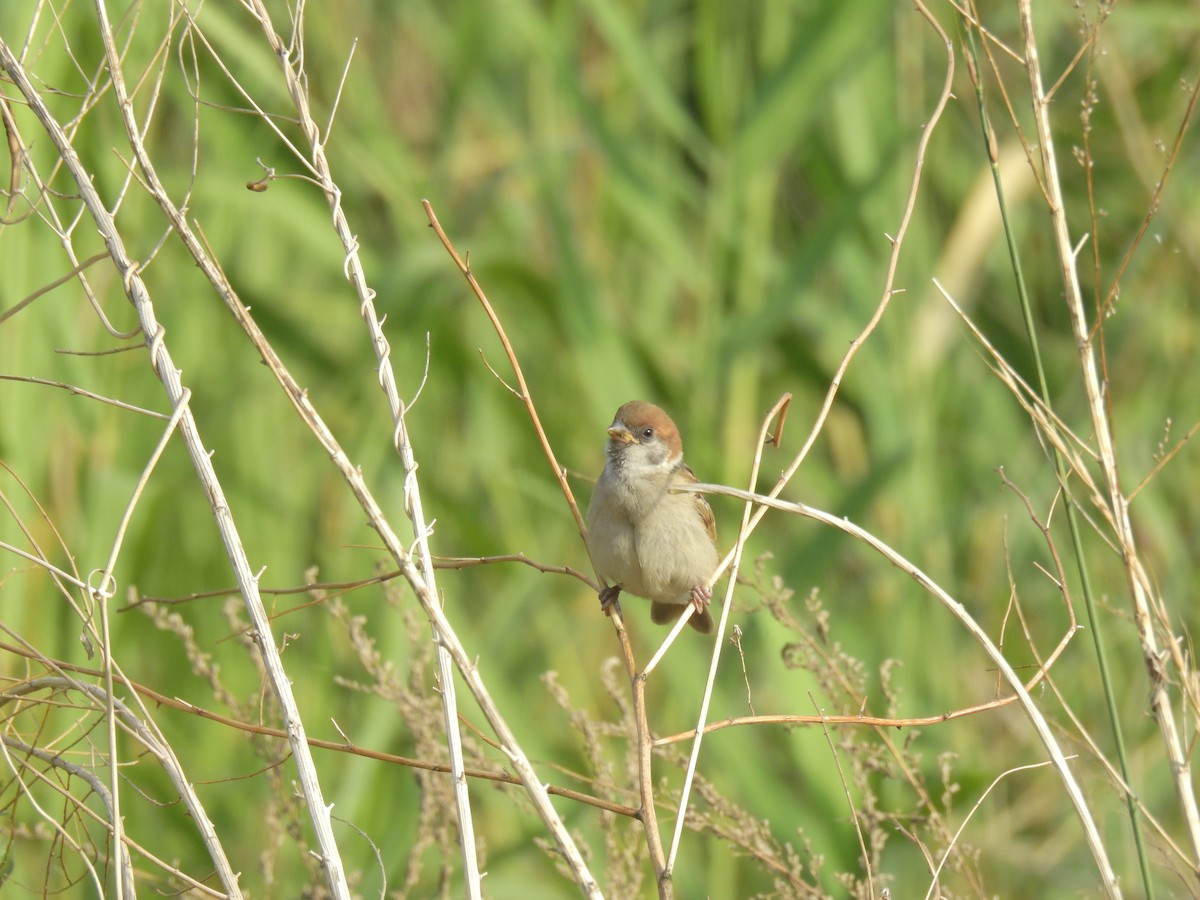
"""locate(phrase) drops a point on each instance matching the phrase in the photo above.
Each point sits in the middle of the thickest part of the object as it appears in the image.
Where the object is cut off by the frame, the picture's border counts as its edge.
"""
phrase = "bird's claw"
(701, 597)
(608, 598)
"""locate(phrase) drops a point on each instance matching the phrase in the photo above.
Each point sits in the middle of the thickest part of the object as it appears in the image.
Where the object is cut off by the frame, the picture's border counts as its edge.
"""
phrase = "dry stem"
(1149, 611)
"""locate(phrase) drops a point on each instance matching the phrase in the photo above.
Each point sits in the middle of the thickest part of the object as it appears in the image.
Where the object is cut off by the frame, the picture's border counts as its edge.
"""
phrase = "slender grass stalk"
(1060, 469)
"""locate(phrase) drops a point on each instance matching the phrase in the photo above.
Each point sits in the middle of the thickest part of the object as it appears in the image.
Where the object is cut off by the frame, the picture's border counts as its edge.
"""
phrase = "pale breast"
(612, 542)
(675, 550)
(650, 542)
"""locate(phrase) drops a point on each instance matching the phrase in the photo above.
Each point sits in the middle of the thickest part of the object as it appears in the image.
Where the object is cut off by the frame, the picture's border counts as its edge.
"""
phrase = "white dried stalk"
(353, 476)
(152, 740)
(1040, 725)
(751, 517)
(164, 367)
(400, 437)
(1147, 607)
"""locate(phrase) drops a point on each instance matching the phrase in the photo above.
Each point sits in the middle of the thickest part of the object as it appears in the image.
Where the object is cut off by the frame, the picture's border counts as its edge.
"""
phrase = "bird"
(642, 538)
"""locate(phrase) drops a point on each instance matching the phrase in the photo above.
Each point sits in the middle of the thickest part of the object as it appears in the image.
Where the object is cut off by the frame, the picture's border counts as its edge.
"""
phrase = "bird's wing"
(687, 476)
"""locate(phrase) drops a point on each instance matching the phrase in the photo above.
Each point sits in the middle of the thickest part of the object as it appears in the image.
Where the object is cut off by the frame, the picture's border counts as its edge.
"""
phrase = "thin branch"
(169, 374)
(292, 66)
(974, 808)
(777, 414)
(345, 746)
(853, 809)
(45, 289)
(147, 734)
(1147, 606)
(522, 389)
(1040, 725)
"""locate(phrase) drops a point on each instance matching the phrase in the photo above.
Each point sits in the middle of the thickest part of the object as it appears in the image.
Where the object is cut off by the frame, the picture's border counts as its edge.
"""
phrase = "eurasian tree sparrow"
(644, 539)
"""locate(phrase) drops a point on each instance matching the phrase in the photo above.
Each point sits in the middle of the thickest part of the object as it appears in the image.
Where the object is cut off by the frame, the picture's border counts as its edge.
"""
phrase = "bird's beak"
(620, 433)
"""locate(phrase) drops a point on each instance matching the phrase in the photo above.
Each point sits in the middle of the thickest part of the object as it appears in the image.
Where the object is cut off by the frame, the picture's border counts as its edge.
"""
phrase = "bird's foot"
(608, 599)
(701, 597)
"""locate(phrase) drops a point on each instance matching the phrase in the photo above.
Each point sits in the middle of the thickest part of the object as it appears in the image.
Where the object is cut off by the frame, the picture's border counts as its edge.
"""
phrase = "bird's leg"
(608, 599)
(701, 597)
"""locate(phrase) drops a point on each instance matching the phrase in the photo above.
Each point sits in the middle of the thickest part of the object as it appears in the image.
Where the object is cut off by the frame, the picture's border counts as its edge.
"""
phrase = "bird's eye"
(647, 433)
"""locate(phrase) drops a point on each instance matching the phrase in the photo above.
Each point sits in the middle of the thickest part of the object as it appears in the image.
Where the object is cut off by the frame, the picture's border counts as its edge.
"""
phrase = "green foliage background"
(687, 202)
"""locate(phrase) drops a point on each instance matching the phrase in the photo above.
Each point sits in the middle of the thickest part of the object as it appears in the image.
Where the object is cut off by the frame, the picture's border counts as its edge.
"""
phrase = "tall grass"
(691, 203)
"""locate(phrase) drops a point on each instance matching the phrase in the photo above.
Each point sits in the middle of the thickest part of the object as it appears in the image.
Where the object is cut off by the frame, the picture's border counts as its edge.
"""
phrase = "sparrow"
(642, 538)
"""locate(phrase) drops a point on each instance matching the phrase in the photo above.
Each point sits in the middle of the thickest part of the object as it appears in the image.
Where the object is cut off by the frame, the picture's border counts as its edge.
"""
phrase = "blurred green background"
(685, 202)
